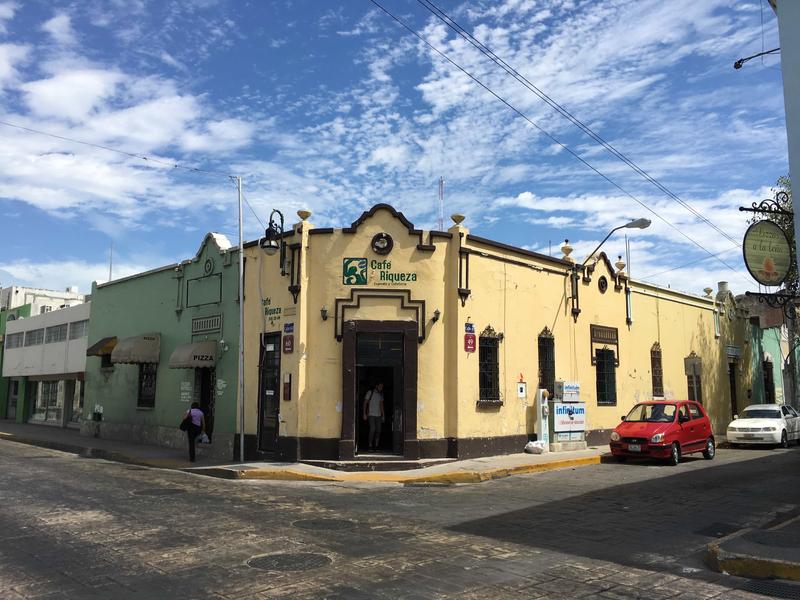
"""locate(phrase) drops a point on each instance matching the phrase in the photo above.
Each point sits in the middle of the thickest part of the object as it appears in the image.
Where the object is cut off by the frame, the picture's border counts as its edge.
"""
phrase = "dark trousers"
(375, 424)
(192, 434)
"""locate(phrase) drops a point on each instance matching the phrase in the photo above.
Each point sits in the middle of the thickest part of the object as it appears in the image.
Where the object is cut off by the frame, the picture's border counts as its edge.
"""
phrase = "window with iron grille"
(57, 333)
(606, 377)
(489, 370)
(657, 371)
(695, 389)
(147, 385)
(78, 329)
(34, 337)
(14, 340)
(547, 361)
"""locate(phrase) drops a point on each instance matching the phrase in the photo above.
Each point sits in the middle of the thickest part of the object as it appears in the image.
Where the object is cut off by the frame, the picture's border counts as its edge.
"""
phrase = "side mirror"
(622, 418)
(735, 417)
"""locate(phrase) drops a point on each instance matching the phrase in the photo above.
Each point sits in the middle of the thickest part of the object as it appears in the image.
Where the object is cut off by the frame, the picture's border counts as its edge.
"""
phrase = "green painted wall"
(20, 311)
(165, 302)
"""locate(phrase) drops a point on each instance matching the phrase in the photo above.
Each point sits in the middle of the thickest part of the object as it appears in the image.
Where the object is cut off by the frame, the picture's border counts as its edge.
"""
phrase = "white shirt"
(375, 398)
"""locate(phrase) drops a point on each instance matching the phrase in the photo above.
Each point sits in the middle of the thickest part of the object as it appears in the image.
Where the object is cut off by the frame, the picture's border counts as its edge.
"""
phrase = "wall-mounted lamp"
(436, 315)
(323, 312)
(273, 239)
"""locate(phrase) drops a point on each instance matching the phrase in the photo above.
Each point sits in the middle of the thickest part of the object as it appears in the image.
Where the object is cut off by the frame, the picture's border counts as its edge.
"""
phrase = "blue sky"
(333, 107)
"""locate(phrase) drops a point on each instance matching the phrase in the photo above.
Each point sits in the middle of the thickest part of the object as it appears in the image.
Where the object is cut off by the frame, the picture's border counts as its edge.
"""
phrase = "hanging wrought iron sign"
(767, 253)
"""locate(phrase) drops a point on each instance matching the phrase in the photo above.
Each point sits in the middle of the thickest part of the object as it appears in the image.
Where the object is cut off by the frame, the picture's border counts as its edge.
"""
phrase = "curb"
(394, 476)
(289, 474)
(99, 453)
(748, 565)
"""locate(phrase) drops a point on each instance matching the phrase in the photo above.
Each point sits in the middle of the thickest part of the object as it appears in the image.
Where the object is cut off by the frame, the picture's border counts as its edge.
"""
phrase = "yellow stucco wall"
(515, 292)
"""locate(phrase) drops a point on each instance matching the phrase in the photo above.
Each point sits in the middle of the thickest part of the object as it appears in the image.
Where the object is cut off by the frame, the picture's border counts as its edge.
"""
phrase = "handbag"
(187, 420)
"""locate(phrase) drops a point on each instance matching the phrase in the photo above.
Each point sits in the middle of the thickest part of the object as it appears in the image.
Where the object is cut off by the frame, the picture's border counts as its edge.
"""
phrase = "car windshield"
(761, 413)
(652, 413)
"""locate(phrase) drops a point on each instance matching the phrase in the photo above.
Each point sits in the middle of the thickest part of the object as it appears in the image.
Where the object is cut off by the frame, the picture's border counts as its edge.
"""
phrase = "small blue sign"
(469, 328)
(288, 328)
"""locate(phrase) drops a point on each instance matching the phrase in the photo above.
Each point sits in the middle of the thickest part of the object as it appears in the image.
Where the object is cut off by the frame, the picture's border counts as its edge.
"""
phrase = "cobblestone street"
(82, 528)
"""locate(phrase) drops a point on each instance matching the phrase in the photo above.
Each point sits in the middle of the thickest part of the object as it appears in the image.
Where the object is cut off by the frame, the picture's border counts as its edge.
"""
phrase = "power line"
(688, 264)
(142, 157)
(463, 33)
(546, 133)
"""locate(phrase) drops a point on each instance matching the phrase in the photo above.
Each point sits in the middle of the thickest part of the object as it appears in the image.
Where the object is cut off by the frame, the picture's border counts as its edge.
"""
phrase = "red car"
(663, 429)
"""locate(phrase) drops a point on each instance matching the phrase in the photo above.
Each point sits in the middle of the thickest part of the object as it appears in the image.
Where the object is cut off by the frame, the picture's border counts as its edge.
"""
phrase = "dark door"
(207, 382)
(69, 399)
(269, 391)
(732, 383)
(379, 359)
(13, 396)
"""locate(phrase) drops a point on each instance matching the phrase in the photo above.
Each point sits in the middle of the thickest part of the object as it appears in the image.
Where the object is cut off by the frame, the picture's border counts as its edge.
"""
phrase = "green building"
(13, 403)
(159, 341)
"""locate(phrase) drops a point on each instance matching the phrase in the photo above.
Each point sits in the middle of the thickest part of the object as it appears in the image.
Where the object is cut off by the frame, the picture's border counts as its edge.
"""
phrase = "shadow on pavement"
(659, 524)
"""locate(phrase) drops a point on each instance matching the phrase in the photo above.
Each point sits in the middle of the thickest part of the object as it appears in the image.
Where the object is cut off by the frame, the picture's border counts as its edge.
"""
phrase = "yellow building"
(450, 323)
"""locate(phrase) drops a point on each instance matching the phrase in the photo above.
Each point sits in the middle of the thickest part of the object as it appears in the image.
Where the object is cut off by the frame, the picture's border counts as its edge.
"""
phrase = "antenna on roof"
(110, 259)
(440, 222)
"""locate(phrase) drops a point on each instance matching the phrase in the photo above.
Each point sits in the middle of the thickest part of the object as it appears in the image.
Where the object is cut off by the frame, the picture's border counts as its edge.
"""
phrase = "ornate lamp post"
(273, 239)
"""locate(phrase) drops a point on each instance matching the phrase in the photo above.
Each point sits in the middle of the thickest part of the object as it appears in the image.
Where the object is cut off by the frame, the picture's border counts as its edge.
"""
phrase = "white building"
(788, 12)
(41, 300)
(45, 357)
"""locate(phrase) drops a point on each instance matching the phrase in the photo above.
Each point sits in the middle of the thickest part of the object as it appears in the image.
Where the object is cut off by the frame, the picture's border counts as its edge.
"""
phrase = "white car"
(765, 424)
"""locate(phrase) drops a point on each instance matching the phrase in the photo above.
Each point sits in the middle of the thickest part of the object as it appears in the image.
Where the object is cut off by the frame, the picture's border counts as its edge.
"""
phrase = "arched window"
(657, 371)
(547, 360)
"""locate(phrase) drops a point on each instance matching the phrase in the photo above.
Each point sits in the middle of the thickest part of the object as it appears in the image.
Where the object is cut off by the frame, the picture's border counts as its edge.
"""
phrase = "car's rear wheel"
(675, 455)
(784, 439)
(710, 450)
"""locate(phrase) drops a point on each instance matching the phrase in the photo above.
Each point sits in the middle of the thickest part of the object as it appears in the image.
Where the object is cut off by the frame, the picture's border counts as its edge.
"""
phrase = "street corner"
(756, 553)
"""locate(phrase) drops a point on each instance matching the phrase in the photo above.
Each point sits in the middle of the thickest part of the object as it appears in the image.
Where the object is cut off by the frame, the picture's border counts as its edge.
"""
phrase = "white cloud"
(71, 94)
(60, 274)
(7, 10)
(11, 55)
(60, 29)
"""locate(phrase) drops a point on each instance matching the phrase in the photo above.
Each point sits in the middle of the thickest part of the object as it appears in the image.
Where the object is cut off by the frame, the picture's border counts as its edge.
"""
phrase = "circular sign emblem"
(767, 254)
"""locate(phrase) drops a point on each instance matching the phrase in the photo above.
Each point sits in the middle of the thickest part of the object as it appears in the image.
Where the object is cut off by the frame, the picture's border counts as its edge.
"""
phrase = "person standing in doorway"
(373, 412)
(196, 426)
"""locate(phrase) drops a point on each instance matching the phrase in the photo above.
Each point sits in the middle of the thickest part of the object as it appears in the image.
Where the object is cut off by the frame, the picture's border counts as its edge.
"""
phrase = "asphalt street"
(81, 528)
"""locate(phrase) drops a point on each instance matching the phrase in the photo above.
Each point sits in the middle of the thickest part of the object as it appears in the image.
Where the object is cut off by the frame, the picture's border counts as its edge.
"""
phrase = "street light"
(635, 224)
(273, 239)
(576, 309)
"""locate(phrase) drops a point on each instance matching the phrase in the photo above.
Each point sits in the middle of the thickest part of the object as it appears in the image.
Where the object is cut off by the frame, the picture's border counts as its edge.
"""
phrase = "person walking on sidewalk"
(197, 425)
(373, 411)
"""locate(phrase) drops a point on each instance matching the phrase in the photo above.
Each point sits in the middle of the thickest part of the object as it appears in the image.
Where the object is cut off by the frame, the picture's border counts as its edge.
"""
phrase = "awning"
(103, 347)
(194, 356)
(137, 349)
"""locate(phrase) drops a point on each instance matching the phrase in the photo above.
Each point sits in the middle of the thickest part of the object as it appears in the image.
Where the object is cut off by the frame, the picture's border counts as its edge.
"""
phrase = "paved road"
(82, 528)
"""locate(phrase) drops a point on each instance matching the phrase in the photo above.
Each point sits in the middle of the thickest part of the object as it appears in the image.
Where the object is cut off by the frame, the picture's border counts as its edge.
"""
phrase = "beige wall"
(515, 292)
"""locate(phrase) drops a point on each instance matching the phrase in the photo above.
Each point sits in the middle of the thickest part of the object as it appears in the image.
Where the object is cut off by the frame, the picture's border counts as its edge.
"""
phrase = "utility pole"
(241, 323)
(110, 259)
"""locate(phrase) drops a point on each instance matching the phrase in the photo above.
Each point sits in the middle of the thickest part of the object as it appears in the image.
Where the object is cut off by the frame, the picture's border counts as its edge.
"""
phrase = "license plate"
(749, 435)
(634, 448)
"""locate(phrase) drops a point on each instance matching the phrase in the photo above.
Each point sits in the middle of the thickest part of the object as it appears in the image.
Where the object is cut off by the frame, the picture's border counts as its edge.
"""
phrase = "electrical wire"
(548, 134)
(688, 264)
(464, 34)
(142, 157)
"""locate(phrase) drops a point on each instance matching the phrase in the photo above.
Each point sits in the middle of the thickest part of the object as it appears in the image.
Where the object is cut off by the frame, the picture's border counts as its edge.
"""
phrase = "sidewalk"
(760, 553)
(70, 440)
(464, 471)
